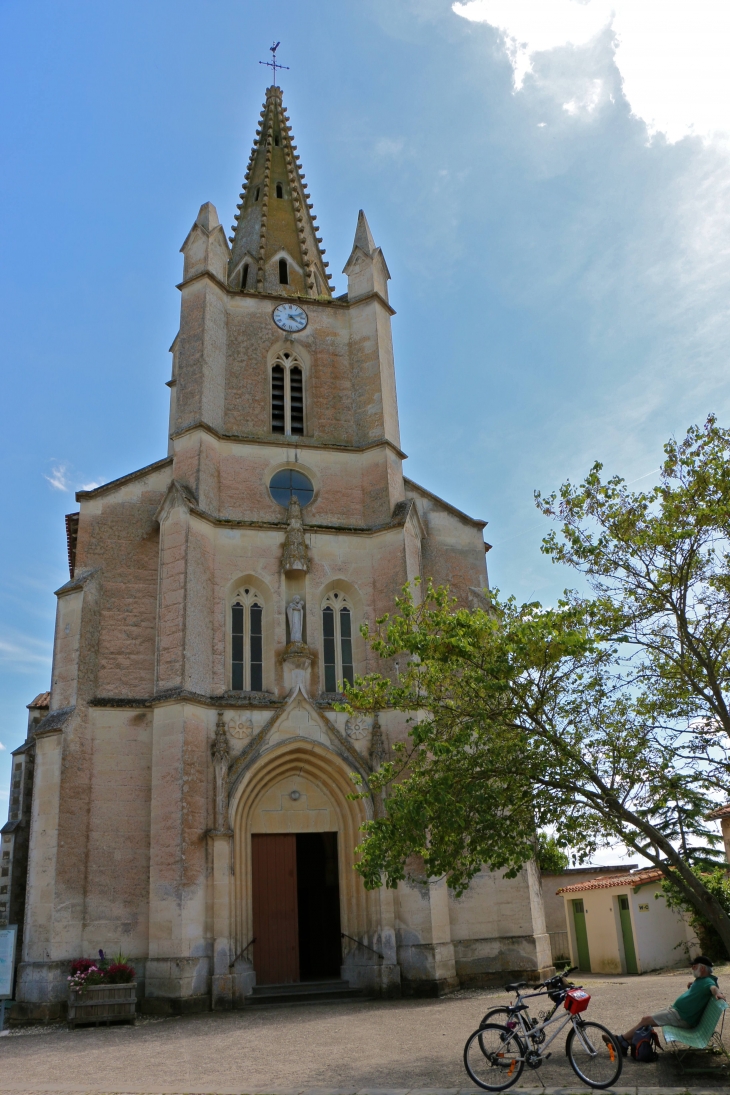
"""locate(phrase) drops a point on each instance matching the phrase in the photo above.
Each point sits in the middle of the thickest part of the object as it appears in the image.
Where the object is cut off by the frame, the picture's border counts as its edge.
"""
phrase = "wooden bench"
(704, 1036)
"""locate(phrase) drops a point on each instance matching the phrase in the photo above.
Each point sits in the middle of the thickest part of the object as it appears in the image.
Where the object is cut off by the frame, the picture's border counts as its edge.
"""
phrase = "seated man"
(687, 1009)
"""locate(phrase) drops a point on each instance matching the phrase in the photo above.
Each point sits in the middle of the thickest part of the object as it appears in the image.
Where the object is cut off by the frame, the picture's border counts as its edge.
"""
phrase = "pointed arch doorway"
(295, 841)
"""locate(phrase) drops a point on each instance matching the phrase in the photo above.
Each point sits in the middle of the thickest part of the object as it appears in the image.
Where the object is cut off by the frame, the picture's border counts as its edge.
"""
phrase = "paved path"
(389, 1046)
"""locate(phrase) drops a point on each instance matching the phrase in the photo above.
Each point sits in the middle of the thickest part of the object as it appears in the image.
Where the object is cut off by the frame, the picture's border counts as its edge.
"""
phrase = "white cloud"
(23, 653)
(58, 478)
(91, 486)
(2, 747)
(672, 54)
(587, 101)
(389, 146)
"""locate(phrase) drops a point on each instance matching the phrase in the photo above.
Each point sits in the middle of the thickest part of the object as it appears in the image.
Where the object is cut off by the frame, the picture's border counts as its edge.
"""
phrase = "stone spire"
(274, 220)
(366, 269)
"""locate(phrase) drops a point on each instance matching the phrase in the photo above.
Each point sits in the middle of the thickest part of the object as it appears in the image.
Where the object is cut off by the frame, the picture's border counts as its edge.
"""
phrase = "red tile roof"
(721, 811)
(636, 878)
(41, 700)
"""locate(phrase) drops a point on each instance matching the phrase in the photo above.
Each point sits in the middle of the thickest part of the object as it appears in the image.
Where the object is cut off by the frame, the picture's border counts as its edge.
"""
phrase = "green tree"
(718, 883)
(550, 856)
(519, 723)
(659, 564)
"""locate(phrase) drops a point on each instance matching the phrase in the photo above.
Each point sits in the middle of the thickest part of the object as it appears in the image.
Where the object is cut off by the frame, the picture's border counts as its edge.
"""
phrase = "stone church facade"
(191, 779)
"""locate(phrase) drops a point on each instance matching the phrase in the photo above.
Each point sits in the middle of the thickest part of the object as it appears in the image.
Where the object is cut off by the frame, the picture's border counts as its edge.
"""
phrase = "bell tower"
(264, 348)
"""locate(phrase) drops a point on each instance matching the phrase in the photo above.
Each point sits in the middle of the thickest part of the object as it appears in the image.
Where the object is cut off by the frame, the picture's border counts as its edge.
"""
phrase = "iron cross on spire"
(273, 62)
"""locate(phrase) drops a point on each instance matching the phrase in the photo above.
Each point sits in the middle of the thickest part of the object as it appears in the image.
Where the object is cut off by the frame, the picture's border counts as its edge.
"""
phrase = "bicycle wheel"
(494, 1057)
(595, 1061)
(496, 1015)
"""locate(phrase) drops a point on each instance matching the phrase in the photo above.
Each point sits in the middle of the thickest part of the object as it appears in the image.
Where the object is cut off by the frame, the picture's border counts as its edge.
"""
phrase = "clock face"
(290, 317)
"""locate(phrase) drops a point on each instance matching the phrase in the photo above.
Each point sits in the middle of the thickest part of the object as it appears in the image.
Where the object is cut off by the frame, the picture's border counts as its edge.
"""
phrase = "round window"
(288, 482)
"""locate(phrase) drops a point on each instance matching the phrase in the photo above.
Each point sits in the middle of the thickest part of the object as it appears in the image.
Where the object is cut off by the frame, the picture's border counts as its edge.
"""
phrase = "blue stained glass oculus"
(288, 482)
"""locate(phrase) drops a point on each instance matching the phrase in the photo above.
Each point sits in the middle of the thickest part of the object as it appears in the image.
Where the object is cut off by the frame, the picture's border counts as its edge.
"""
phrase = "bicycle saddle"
(515, 985)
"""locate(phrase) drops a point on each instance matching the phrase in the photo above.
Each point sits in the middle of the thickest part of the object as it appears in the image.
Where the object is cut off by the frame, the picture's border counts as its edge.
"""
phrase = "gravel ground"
(351, 1047)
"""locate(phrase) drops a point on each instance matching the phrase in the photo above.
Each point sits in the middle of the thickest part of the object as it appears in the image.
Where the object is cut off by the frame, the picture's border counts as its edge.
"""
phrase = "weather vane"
(273, 63)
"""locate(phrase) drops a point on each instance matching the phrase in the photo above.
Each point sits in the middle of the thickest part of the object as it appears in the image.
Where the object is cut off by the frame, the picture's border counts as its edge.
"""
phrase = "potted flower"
(101, 991)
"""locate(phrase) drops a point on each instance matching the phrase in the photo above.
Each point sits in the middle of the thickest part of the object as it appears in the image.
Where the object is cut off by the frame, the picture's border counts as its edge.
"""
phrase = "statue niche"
(297, 656)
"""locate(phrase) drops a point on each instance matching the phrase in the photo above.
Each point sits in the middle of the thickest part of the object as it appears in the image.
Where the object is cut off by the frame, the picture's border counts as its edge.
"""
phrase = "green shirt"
(693, 1002)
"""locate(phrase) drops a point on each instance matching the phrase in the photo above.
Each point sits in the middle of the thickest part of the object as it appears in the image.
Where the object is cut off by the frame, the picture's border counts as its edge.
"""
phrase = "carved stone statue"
(295, 614)
(220, 767)
(295, 555)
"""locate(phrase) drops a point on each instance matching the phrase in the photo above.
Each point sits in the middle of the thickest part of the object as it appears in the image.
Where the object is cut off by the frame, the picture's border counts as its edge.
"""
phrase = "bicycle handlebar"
(560, 976)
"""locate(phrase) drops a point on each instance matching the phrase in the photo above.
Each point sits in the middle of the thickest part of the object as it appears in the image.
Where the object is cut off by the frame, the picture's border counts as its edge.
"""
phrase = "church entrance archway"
(296, 907)
(294, 851)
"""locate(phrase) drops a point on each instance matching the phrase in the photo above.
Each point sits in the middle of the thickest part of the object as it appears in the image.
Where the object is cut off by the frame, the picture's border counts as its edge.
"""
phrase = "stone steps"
(302, 992)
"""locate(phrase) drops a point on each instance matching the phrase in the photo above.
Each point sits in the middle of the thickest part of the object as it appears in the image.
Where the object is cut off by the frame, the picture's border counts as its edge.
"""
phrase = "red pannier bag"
(576, 1001)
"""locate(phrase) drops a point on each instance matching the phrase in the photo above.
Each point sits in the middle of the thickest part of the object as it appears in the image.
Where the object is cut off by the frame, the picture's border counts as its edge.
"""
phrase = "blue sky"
(548, 181)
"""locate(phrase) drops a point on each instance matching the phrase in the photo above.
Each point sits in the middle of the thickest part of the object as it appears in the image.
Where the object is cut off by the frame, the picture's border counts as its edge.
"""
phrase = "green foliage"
(601, 719)
(659, 563)
(550, 856)
(717, 882)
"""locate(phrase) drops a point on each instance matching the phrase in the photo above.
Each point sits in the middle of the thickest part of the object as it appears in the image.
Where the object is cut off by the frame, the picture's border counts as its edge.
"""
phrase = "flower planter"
(102, 1004)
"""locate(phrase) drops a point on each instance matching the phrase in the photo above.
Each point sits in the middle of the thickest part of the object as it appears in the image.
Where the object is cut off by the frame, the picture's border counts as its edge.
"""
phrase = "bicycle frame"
(530, 1032)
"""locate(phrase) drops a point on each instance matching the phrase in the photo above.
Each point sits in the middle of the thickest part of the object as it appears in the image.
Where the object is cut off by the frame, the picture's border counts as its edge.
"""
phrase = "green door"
(581, 936)
(628, 935)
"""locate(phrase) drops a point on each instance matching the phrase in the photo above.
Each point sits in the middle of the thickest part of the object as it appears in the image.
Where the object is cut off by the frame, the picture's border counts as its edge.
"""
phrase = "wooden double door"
(296, 907)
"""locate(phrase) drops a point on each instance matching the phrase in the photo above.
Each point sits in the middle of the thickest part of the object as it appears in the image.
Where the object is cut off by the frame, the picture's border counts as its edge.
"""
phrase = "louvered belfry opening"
(278, 422)
(287, 396)
(296, 399)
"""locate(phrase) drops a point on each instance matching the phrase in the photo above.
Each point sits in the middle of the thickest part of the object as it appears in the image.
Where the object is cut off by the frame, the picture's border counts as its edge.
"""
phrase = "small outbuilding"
(622, 925)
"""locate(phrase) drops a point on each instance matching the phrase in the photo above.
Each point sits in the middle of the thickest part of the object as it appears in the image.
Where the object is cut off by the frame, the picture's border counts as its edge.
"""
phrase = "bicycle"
(495, 1055)
(501, 1014)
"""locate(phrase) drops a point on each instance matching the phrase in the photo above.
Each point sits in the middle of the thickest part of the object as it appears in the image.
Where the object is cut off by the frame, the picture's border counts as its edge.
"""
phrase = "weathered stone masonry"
(154, 774)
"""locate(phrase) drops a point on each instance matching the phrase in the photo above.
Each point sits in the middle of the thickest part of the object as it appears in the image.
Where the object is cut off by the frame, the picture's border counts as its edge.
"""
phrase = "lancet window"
(247, 641)
(287, 395)
(337, 641)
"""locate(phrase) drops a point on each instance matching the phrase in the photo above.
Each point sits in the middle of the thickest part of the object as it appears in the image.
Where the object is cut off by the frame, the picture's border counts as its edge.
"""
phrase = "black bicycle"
(501, 1014)
(495, 1055)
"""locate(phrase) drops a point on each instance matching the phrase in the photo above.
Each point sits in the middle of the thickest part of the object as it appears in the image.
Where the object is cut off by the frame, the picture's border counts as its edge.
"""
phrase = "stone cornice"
(447, 505)
(337, 302)
(373, 296)
(398, 521)
(327, 302)
(83, 494)
(289, 442)
(54, 722)
(77, 583)
(260, 700)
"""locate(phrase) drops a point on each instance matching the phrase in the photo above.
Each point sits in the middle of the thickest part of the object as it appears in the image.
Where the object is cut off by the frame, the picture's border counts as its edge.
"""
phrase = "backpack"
(644, 1045)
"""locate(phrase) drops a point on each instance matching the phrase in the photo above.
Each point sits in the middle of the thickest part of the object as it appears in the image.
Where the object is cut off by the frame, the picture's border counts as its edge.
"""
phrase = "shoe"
(623, 1044)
